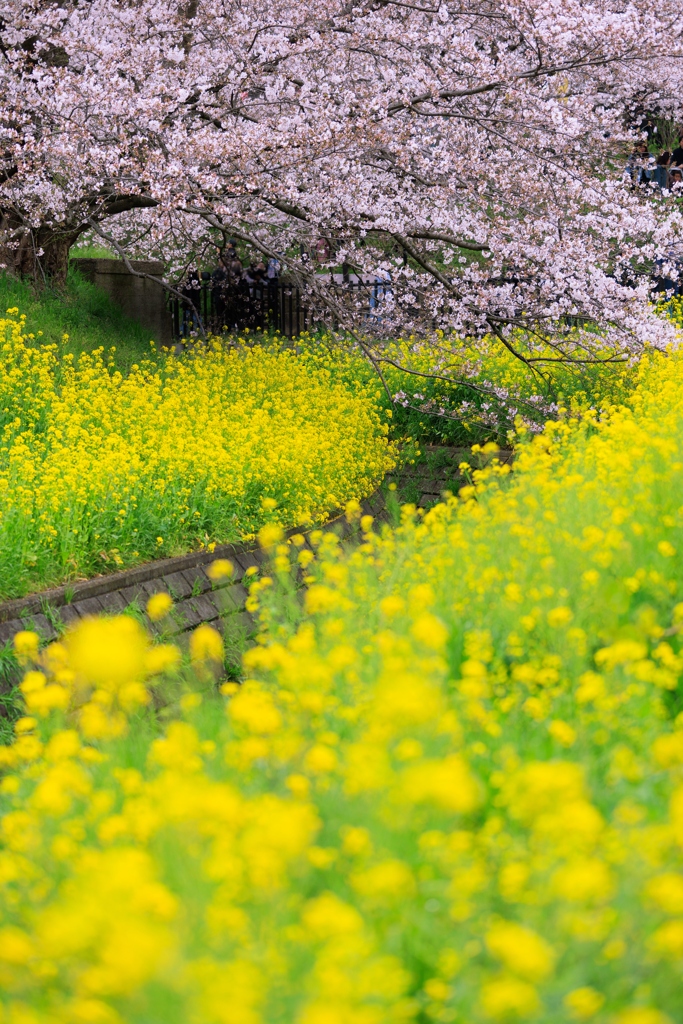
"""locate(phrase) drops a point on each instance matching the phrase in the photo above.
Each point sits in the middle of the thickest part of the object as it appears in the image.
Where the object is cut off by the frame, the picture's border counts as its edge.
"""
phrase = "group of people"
(664, 171)
(233, 289)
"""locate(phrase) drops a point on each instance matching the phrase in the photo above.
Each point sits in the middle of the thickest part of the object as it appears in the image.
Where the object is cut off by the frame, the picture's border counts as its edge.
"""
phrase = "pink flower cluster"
(467, 156)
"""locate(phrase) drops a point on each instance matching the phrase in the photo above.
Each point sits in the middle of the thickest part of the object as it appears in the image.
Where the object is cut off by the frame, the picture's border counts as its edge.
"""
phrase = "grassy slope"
(82, 311)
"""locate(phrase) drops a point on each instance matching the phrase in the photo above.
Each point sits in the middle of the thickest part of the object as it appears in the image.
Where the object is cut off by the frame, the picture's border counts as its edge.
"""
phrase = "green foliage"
(83, 311)
(449, 788)
(487, 390)
(92, 252)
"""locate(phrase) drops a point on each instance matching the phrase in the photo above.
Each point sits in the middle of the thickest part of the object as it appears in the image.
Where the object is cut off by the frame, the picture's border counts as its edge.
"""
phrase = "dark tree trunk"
(40, 254)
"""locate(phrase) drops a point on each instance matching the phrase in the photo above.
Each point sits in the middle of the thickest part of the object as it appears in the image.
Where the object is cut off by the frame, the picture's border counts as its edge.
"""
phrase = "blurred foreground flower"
(159, 605)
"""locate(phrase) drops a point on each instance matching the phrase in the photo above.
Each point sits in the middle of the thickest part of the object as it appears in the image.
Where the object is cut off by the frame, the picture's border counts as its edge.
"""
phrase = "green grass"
(83, 311)
(92, 252)
(448, 791)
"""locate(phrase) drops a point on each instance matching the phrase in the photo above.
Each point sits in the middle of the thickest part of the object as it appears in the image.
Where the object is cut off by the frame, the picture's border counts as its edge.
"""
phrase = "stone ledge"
(196, 598)
(89, 266)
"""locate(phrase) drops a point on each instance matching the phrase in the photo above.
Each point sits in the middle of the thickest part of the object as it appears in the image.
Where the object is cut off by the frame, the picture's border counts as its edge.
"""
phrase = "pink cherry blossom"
(471, 155)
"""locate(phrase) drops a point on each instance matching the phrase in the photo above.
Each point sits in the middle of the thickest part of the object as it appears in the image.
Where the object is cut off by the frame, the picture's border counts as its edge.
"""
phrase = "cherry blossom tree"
(471, 153)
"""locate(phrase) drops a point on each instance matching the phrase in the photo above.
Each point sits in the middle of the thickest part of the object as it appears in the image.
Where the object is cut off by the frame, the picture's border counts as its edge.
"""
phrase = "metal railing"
(282, 307)
(266, 306)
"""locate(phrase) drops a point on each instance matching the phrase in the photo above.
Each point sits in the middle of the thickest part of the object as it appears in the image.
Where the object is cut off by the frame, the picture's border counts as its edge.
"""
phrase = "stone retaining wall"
(139, 298)
(196, 598)
(437, 471)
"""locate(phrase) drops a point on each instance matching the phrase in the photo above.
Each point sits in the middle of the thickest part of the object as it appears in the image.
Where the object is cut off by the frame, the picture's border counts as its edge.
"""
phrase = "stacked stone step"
(439, 472)
(196, 598)
(185, 579)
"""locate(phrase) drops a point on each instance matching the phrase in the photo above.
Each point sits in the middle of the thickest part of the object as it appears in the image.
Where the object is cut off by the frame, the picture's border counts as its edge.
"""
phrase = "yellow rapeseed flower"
(206, 644)
(220, 569)
(159, 605)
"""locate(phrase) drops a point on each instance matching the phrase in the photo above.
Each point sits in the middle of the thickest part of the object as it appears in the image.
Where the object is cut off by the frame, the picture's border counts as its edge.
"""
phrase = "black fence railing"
(267, 306)
(279, 306)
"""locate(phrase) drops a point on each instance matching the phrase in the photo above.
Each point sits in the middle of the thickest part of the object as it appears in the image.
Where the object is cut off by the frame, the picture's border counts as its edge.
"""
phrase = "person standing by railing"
(637, 164)
(381, 289)
(234, 267)
(677, 155)
(661, 171)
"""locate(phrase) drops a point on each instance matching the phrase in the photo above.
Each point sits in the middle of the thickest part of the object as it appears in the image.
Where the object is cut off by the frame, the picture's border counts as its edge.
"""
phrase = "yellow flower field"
(480, 387)
(450, 790)
(100, 470)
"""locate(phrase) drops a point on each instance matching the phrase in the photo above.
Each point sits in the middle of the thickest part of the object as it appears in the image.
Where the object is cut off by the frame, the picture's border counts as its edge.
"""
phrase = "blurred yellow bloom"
(108, 652)
(584, 881)
(391, 605)
(32, 682)
(384, 882)
(667, 940)
(319, 598)
(320, 759)
(583, 1003)
(503, 998)
(642, 1015)
(447, 783)
(521, 950)
(430, 630)
(15, 946)
(561, 616)
(220, 569)
(159, 605)
(562, 732)
(666, 891)
(269, 535)
(352, 510)
(327, 915)
(255, 710)
(206, 644)
(26, 644)
(162, 658)
(25, 724)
